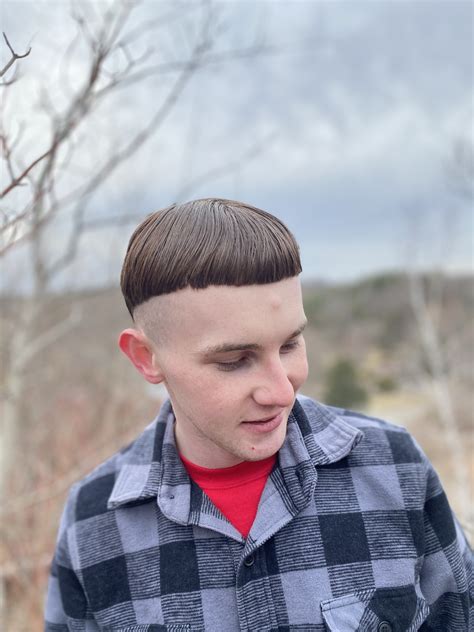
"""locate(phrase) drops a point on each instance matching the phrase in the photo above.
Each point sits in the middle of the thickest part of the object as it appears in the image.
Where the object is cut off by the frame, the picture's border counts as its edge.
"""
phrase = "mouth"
(265, 425)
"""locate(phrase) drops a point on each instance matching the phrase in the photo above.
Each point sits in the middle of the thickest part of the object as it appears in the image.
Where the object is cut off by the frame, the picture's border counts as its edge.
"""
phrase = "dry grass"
(83, 402)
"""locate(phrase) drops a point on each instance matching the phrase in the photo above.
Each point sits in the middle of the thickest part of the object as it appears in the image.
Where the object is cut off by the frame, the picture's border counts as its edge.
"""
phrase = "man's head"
(206, 242)
(213, 288)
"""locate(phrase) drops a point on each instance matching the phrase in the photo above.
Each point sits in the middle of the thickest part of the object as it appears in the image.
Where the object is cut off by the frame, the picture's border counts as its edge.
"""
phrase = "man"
(243, 507)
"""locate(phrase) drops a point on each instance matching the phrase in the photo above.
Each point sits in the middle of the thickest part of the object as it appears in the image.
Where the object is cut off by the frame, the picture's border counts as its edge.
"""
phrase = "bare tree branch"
(13, 58)
(460, 168)
(125, 153)
(427, 294)
(25, 222)
(62, 483)
(160, 22)
(54, 183)
(12, 80)
(210, 60)
(431, 346)
(19, 179)
(221, 170)
(52, 335)
(113, 162)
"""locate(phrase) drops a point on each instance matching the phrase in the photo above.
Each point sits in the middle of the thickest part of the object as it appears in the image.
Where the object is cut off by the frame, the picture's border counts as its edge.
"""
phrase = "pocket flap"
(400, 608)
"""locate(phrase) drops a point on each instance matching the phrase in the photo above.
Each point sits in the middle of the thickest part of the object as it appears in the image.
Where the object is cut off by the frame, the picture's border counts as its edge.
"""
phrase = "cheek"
(300, 371)
(212, 392)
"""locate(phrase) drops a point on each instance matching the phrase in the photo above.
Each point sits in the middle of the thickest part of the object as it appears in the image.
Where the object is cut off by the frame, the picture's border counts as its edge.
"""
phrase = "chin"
(259, 453)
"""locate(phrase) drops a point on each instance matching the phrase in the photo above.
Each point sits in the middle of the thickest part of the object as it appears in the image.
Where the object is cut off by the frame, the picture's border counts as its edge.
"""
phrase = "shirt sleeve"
(66, 603)
(446, 570)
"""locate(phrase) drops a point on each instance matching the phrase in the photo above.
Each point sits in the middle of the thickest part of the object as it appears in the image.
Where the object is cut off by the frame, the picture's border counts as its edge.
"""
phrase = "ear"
(139, 350)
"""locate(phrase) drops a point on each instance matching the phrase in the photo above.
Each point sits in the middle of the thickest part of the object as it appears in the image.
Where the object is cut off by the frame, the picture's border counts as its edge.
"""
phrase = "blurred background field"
(351, 121)
(85, 401)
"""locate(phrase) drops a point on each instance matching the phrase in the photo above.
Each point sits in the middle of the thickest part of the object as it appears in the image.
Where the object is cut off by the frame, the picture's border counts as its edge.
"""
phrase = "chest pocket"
(379, 610)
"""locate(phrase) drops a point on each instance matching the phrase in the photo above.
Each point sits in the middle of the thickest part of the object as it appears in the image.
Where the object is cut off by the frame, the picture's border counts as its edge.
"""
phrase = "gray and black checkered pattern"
(353, 532)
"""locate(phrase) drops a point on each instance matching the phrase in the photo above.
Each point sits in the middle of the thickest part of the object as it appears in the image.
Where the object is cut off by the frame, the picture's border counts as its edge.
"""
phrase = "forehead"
(219, 314)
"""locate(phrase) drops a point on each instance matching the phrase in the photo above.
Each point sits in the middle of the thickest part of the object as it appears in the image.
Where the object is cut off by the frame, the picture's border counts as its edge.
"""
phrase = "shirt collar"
(151, 464)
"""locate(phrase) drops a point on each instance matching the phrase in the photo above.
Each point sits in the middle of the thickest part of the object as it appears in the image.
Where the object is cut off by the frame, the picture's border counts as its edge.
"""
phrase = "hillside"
(82, 400)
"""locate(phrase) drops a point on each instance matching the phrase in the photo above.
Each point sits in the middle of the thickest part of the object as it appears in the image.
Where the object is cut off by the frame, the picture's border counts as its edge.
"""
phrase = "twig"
(17, 181)
(216, 172)
(14, 56)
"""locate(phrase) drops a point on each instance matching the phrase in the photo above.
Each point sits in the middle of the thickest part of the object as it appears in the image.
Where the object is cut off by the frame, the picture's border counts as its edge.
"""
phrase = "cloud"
(362, 102)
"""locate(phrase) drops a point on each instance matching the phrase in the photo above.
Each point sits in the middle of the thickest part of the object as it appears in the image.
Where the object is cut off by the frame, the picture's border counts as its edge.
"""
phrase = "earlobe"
(136, 346)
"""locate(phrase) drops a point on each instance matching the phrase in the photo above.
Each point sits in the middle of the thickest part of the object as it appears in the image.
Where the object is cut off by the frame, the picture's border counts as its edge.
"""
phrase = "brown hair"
(206, 242)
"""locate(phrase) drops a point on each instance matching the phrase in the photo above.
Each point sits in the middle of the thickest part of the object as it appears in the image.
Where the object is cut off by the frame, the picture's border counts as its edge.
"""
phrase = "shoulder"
(378, 439)
(358, 420)
(126, 473)
(88, 497)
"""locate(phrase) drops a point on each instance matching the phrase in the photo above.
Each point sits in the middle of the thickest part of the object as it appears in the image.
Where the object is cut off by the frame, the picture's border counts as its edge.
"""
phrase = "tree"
(436, 339)
(48, 187)
(343, 387)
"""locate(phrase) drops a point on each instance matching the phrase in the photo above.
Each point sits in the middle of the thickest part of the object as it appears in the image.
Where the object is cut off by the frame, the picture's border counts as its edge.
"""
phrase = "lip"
(265, 425)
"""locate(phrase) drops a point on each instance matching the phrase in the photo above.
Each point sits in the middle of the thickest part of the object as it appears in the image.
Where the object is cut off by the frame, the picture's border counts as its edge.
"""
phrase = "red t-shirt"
(234, 490)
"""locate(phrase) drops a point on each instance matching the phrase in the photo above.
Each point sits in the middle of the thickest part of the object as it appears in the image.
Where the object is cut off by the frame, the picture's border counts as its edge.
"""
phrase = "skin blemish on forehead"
(276, 301)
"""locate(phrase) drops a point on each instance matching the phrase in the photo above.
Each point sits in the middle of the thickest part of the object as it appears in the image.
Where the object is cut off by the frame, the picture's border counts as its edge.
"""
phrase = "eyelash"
(233, 366)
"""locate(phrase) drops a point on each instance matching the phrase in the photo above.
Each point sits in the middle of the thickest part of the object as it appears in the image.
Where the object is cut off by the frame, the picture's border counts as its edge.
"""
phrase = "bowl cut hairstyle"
(206, 242)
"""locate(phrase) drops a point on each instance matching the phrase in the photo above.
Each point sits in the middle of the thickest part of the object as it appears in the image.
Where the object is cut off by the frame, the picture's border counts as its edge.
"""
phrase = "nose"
(274, 387)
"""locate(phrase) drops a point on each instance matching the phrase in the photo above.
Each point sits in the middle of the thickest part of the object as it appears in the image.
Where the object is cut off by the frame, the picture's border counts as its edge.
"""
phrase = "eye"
(232, 365)
(290, 346)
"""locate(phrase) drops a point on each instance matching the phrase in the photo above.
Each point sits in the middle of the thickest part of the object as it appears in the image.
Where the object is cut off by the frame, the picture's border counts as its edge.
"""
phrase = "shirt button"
(250, 560)
(384, 626)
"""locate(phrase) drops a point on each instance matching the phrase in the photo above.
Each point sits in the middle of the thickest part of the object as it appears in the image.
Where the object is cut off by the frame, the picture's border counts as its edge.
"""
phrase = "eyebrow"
(227, 347)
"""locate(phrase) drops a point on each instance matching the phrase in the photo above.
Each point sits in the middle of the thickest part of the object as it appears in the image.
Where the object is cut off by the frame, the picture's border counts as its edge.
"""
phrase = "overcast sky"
(356, 111)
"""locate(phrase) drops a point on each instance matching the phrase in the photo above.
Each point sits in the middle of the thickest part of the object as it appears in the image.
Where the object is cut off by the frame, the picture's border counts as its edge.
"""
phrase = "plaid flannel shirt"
(353, 532)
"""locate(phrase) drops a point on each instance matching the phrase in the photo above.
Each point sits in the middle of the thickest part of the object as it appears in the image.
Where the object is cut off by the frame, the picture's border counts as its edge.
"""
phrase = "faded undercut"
(206, 242)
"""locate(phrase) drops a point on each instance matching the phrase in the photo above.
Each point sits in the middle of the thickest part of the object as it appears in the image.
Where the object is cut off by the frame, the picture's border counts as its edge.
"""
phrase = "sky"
(343, 125)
